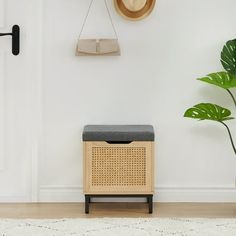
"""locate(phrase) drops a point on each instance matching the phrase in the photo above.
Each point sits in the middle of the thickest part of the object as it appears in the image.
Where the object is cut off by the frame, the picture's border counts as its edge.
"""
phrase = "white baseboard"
(15, 199)
(61, 194)
(196, 194)
(162, 194)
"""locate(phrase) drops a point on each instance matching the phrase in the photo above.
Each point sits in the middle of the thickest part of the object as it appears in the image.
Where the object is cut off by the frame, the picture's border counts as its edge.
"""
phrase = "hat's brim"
(134, 15)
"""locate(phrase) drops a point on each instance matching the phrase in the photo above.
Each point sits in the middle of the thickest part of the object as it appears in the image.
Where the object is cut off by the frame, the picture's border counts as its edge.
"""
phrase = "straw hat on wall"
(134, 9)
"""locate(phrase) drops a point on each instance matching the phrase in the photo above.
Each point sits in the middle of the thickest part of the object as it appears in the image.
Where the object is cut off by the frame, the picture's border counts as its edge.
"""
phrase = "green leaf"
(208, 111)
(223, 79)
(228, 56)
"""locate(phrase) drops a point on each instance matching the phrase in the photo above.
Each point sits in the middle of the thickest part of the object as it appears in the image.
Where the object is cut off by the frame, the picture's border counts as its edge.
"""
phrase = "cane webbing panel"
(124, 168)
(118, 166)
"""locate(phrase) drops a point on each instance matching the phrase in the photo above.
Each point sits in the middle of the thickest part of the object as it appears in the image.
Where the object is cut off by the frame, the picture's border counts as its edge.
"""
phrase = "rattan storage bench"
(118, 162)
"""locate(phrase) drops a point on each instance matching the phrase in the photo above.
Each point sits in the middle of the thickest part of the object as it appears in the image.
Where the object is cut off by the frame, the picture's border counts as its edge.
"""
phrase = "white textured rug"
(119, 227)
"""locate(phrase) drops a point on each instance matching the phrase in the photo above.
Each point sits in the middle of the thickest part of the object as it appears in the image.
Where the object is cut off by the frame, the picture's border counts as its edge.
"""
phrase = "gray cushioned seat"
(116, 133)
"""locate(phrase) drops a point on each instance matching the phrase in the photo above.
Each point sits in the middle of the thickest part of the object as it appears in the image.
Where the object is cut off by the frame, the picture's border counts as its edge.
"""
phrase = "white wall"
(152, 82)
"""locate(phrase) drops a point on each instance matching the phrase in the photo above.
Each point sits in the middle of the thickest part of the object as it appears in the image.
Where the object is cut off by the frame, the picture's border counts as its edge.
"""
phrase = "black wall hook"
(15, 39)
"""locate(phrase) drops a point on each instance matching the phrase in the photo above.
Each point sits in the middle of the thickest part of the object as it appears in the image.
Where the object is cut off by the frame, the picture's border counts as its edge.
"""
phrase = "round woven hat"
(134, 9)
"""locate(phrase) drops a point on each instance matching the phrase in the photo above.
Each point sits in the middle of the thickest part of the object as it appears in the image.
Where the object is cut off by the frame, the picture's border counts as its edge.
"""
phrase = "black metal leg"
(148, 197)
(87, 200)
(150, 204)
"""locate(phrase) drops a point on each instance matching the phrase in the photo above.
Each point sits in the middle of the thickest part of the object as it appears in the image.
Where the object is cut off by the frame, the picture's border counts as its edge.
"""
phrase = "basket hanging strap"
(109, 14)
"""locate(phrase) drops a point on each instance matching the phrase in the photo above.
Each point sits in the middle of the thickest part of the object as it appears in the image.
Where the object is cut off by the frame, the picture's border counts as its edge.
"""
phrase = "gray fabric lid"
(115, 133)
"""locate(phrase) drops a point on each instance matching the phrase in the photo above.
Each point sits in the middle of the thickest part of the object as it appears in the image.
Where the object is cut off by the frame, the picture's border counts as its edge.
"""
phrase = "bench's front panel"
(118, 168)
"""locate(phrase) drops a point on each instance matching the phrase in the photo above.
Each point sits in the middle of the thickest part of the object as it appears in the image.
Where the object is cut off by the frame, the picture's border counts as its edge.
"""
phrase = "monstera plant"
(225, 80)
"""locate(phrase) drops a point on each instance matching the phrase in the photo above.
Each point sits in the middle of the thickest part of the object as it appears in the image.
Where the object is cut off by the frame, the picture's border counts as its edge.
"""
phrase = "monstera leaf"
(228, 57)
(223, 79)
(208, 111)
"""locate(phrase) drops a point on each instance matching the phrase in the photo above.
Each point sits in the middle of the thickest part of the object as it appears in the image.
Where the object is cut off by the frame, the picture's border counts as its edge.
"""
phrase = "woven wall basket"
(98, 47)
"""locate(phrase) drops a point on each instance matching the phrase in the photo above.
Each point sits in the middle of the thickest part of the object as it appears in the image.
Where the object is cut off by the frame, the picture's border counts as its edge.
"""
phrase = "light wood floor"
(74, 210)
